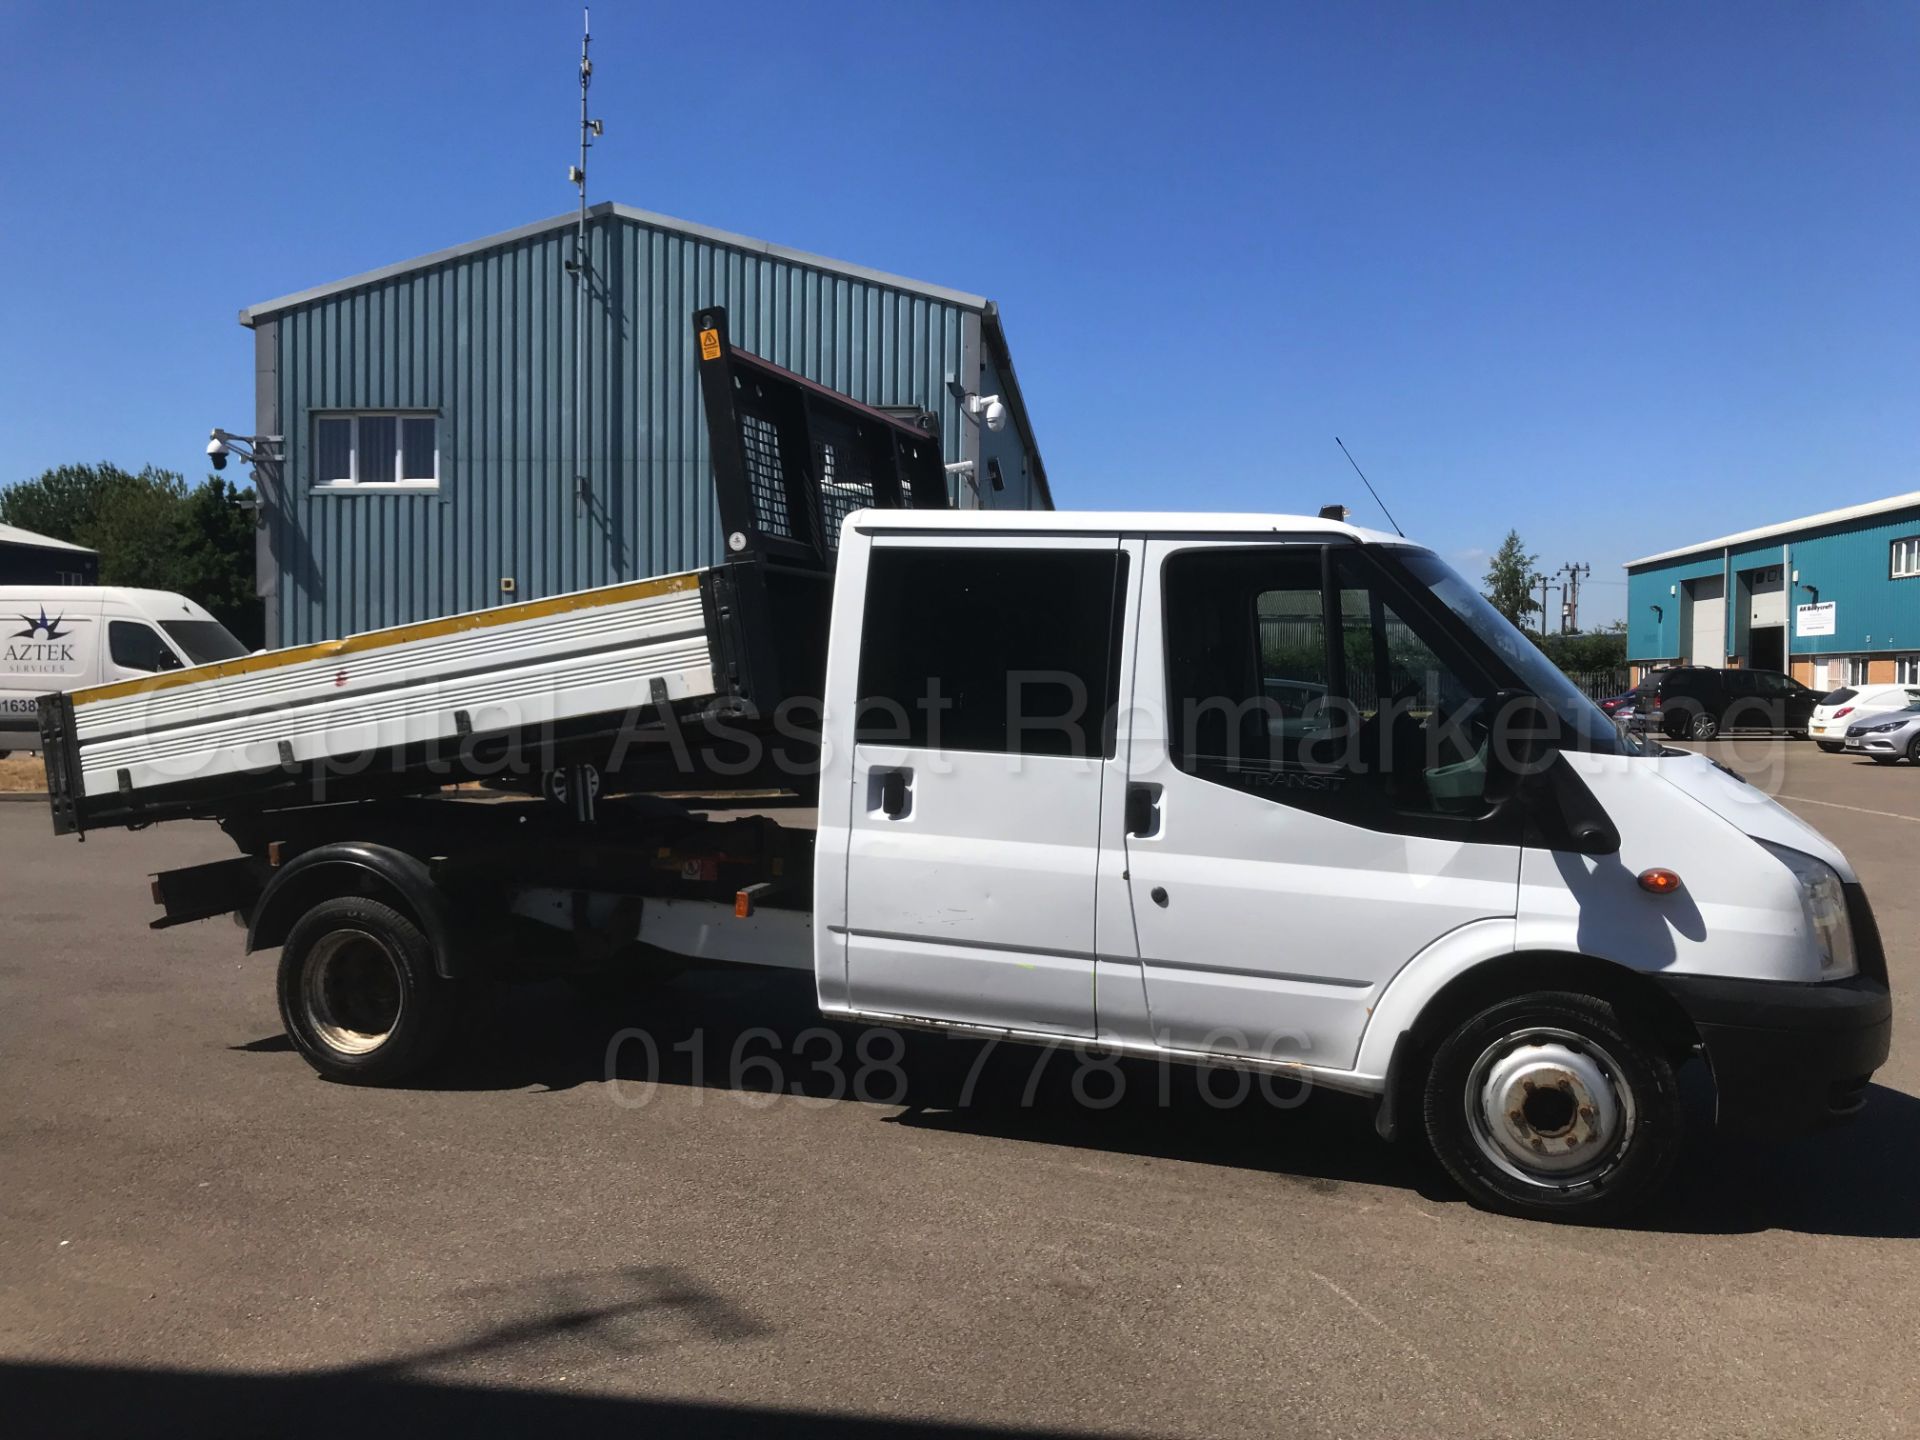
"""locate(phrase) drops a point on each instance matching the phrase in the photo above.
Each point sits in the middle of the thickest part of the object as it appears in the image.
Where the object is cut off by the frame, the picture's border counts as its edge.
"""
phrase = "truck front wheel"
(359, 994)
(1550, 1106)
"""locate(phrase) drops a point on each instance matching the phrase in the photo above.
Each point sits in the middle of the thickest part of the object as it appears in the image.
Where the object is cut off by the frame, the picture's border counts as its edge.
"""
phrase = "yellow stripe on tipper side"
(398, 635)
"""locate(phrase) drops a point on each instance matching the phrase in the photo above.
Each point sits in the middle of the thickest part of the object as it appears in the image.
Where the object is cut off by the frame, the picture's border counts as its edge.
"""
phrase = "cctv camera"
(217, 452)
(988, 408)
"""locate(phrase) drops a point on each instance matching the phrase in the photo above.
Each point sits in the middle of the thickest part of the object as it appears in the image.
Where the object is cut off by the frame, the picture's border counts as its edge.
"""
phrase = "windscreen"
(1840, 696)
(203, 641)
(1591, 727)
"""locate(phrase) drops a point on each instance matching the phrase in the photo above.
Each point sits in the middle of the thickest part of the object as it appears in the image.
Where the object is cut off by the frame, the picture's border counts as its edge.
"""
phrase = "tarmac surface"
(197, 1235)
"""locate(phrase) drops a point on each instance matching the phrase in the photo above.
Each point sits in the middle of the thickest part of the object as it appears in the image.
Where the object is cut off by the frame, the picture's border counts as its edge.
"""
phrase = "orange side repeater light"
(1658, 881)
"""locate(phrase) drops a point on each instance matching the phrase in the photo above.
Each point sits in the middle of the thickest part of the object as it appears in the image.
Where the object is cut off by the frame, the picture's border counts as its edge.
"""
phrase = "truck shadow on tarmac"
(758, 1033)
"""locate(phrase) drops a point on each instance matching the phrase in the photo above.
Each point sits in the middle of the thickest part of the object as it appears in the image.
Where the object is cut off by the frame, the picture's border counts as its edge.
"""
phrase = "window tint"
(1008, 651)
(1839, 697)
(135, 646)
(1388, 720)
(203, 641)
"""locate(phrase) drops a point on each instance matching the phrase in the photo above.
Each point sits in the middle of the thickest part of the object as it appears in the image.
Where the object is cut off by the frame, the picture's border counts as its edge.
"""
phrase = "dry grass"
(22, 772)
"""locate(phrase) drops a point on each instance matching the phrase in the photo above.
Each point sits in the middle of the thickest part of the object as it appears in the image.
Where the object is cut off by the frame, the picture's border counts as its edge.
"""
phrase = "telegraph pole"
(1574, 573)
(1545, 583)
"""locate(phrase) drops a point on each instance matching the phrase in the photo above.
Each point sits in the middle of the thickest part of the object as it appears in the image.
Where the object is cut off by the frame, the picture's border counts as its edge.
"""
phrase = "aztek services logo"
(44, 647)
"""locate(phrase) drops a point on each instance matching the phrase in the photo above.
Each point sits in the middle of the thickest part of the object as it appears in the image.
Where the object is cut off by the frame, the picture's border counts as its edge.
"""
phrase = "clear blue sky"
(1619, 276)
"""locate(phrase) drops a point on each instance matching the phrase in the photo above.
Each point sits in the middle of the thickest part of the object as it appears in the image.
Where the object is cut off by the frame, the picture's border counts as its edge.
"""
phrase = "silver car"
(1886, 737)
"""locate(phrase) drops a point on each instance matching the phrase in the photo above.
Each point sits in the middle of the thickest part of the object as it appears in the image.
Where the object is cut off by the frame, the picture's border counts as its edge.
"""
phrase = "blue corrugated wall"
(487, 340)
(1848, 563)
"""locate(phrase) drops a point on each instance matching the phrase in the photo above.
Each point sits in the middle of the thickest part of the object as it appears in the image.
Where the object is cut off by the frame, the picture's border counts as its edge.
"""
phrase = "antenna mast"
(579, 266)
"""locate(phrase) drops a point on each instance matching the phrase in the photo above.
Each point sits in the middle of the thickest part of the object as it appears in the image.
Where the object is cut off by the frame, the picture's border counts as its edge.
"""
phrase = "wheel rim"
(353, 992)
(1548, 1107)
(1703, 727)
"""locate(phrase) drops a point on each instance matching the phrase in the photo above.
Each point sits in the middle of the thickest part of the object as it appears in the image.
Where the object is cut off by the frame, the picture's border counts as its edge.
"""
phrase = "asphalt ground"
(197, 1235)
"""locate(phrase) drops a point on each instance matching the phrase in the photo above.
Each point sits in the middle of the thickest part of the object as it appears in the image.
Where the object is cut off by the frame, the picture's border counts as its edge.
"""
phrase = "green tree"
(1509, 587)
(151, 530)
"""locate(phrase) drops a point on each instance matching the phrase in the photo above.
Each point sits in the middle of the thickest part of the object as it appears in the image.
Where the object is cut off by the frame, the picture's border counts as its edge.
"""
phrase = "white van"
(67, 637)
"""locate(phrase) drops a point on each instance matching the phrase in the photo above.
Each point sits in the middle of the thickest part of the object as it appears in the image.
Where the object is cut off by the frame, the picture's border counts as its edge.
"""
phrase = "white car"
(1850, 704)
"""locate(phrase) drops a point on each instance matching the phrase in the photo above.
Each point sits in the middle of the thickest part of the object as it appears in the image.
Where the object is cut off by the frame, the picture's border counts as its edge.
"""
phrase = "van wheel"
(1703, 727)
(359, 994)
(1549, 1106)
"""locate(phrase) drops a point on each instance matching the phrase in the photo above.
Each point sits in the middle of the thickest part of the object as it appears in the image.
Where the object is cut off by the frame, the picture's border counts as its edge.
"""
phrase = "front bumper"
(1788, 1058)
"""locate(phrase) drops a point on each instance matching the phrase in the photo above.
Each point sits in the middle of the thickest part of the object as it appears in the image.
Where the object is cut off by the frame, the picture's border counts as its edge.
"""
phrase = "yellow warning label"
(709, 344)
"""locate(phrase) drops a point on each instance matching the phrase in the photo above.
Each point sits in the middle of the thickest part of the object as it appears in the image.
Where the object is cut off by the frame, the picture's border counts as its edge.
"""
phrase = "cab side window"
(136, 646)
(1011, 652)
(1311, 681)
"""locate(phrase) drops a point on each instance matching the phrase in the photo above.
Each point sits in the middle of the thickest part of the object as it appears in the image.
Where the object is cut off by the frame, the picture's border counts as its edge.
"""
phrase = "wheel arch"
(376, 872)
(1477, 986)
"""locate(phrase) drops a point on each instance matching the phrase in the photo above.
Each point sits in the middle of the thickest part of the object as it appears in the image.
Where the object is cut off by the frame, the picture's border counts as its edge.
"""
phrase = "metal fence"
(1599, 684)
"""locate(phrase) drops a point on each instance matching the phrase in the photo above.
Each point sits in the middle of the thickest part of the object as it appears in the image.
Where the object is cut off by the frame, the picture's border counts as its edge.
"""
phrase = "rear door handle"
(894, 793)
(1143, 809)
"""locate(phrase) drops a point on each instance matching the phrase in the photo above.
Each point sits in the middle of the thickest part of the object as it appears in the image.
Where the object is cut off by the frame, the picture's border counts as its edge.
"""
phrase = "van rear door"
(987, 668)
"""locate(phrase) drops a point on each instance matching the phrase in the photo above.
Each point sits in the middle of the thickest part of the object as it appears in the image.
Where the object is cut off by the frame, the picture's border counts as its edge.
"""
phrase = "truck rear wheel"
(1550, 1106)
(359, 994)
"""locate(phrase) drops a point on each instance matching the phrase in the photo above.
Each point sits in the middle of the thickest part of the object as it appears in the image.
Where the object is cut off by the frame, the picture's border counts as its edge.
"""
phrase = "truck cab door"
(987, 675)
(1307, 732)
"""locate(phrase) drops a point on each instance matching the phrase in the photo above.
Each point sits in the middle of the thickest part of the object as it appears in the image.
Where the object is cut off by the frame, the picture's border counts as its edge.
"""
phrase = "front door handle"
(1143, 809)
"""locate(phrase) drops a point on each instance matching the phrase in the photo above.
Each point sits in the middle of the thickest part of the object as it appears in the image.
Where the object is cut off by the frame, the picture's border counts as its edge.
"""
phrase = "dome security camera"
(217, 452)
(991, 410)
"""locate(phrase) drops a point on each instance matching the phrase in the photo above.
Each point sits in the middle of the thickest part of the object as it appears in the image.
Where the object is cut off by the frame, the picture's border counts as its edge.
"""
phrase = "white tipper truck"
(1218, 789)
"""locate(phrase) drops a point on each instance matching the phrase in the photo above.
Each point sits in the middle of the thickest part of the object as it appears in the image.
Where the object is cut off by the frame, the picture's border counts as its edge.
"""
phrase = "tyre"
(1702, 727)
(1913, 750)
(1552, 1106)
(1884, 759)
(359, 994)
(1829, 746)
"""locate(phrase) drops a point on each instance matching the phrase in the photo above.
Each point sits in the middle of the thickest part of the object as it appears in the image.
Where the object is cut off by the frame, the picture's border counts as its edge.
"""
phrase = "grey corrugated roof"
(994, 335)
(14, 535)
(625, 212)
(1908, 501)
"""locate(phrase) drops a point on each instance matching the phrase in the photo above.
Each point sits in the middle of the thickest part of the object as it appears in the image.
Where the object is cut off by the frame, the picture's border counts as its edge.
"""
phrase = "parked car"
(1614, 704)
(1697, 702)
(1885, 737)
(67, 637)
(1850, 704)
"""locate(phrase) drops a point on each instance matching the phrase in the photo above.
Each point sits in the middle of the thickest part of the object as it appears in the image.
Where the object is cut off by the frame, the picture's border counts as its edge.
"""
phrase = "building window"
(1856, 670)
(1906, 557)
(387, 450)
(1906, 670)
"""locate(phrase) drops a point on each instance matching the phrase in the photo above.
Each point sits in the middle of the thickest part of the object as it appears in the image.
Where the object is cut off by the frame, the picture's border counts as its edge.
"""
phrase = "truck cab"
(1071, 793)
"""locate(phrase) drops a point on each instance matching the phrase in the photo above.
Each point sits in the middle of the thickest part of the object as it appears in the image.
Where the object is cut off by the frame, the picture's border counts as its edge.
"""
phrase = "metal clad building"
(426, 408)
(30, 559)
(1832, 598)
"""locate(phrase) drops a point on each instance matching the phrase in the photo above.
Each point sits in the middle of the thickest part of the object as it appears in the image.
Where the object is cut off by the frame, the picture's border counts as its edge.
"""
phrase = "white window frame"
(1903, 558)
(1857, 671)
(354, 484)
(1906, 670)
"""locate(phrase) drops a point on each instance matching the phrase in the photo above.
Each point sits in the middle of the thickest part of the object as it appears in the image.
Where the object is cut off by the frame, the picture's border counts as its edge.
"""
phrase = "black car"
(1697, 702)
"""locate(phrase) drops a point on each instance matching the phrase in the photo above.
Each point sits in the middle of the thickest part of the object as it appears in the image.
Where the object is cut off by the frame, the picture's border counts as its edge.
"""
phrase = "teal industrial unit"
(1832, 598)
(427, 462)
